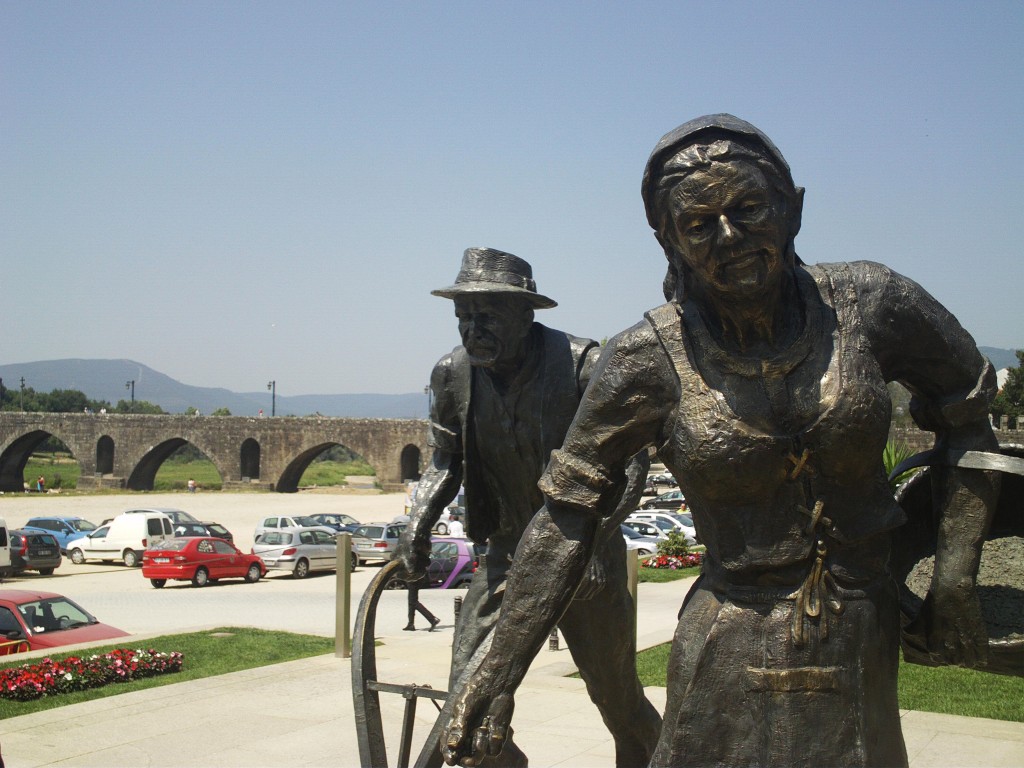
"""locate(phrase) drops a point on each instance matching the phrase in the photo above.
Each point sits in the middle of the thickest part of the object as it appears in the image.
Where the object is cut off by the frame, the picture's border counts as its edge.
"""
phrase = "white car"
(647, 528)
(668, 521)
(125, 538)
(282, 522)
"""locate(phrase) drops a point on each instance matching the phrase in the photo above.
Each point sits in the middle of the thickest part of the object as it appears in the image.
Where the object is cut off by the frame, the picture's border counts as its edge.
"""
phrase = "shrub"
(675, 545)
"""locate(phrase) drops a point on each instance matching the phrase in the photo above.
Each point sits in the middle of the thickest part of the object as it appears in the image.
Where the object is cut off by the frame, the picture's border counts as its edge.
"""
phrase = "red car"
(46, 620)
(199, 560)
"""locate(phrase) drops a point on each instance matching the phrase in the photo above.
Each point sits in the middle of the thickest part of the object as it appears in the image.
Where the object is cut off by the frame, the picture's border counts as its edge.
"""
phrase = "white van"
(123, 538)
(5, 549)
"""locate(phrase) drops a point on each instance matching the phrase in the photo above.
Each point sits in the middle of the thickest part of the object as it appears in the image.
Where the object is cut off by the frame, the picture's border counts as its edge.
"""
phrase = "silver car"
(644, 545)
(300, 550)
(376, 541)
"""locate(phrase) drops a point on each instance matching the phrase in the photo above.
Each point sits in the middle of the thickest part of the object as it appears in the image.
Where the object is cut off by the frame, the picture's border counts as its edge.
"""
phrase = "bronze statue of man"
(502, 401)
(762, 385)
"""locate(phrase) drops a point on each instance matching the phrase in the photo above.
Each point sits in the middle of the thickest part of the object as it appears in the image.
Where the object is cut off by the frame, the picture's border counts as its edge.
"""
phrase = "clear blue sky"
(236, 192)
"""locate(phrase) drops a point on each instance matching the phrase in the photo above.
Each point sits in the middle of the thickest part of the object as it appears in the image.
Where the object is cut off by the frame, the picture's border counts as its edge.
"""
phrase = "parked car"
(124, 538)
(336, 521)
(176, 515)
(673, 500)
(46, 620)
(63, 528)
(301, 551)
(377, 541)
(668, 521)
(646, 528)
(663, 478)
(200, 560)
(280, 522)
(34, 551)
(5, 549)
(443, 524)
(188, 530)
(644, 545)
(452, 564)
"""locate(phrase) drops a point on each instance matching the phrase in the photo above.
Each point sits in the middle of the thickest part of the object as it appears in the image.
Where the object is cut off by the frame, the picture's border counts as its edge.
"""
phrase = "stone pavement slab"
(300, 713)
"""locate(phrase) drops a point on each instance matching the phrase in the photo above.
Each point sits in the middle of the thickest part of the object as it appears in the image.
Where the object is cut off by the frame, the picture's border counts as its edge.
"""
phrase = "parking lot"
(121, 596)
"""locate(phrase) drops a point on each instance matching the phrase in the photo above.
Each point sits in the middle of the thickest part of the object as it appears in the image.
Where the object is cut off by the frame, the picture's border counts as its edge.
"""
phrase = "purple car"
(452, 562)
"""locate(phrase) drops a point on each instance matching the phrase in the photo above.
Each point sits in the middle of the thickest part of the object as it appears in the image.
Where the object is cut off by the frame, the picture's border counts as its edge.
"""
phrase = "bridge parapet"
(126, 450)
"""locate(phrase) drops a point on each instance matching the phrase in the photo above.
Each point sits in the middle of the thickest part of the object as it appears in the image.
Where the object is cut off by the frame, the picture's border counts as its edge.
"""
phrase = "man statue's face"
(493, 328)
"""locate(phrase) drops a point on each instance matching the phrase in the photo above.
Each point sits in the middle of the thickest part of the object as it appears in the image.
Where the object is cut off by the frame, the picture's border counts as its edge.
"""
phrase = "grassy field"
(948, 690)
(62, 471)
(205, 654)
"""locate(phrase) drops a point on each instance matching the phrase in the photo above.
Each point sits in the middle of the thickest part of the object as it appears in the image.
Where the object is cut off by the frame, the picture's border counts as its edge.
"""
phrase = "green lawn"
(659, 575)
(949, 690)
(62, 471)
(205, 654)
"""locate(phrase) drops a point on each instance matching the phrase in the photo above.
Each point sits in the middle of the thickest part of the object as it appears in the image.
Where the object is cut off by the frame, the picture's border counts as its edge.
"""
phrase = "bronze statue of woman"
(761, 383)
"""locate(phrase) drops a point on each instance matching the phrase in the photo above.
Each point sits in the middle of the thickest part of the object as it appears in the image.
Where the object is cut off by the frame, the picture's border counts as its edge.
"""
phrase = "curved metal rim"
(369, 727)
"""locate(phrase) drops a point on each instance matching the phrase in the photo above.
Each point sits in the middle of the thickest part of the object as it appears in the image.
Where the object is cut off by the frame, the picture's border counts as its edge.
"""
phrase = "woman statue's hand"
(479, 724)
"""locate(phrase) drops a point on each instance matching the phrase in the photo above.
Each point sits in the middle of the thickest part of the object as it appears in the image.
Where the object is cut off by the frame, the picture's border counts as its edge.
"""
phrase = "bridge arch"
(410, 462)
(15, 453)
(143, 475)
(105, 455)
(249, 459)
(288, 480)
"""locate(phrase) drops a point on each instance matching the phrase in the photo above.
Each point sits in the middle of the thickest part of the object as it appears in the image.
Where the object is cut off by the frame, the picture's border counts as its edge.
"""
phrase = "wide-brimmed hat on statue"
(486, 270)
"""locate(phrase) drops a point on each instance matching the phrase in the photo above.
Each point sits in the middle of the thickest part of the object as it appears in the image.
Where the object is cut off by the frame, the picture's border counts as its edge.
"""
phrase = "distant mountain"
(1000, 358)
(106, 379)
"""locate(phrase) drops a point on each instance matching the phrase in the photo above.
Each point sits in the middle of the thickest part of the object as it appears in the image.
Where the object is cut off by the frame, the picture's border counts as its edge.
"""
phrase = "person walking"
(455, 527)
(416, 606)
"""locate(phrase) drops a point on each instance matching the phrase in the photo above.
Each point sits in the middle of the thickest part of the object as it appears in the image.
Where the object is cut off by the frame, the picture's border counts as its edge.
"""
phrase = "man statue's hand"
(479, 725)
(413, 553)
(594, 579)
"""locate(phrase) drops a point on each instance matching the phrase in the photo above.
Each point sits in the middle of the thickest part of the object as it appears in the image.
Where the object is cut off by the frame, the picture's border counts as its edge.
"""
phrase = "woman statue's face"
(729, 228)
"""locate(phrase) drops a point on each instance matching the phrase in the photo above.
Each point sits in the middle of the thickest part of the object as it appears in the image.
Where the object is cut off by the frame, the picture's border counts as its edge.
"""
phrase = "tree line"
(74, 401)
(1010, 400)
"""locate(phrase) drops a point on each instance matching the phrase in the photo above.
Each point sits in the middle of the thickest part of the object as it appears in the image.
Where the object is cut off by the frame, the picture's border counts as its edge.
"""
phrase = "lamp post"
(131, 385)
(1, 394)
(426, 391)
(272, 386)
(22, 406)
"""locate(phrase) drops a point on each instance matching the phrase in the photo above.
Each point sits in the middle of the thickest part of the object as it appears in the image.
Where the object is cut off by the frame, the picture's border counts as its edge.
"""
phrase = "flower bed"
(51, 678)
(674, 562)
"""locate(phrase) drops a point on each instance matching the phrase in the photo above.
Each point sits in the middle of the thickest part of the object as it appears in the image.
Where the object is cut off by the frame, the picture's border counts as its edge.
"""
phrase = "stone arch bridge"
(126, 450)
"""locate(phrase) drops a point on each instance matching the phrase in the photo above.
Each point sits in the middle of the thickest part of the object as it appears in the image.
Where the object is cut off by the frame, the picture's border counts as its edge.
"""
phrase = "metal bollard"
(553, 640)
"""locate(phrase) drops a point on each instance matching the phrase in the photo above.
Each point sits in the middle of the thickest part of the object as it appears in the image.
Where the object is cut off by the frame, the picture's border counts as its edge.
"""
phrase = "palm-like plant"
(894, 454)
